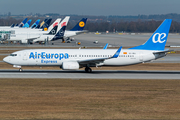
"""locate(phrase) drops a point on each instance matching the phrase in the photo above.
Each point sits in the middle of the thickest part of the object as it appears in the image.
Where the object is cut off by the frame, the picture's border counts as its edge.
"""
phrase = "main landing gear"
(88, 70)
(20, 69)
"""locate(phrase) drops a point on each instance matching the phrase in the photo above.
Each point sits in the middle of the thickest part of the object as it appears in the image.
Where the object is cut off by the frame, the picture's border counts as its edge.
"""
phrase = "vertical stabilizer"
(158, 40)
(80, 25)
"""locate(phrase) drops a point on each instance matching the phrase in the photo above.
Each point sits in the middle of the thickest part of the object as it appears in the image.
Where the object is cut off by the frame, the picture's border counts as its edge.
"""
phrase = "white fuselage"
(56, 57)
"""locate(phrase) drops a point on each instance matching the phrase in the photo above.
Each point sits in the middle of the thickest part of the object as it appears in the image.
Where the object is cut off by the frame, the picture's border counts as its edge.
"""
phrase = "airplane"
(55, 34)
(27, 35)
(32, 36)
(73, 59)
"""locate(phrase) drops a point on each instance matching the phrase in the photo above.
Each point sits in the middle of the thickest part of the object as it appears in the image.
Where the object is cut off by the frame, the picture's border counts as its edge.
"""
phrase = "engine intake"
(70, 65)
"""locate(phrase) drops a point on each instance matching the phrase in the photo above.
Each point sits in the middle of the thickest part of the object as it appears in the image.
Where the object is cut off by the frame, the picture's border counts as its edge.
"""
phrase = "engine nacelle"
(24, 41)
(70, 65)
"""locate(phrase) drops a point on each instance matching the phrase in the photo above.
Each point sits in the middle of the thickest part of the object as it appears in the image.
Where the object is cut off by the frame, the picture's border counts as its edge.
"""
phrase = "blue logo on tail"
(158, 40)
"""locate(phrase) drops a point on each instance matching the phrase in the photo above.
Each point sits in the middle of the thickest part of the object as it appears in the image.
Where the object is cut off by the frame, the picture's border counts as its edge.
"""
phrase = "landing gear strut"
(63, 41)
(88, 70)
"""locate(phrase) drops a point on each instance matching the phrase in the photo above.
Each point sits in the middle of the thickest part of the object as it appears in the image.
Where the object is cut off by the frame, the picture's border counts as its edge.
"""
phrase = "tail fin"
(46, 24)
(12, 25)
(41, 23)
(158, 40)
(55, 23)
(61, 28)
(38, 26)
(60, 33)
(35, 24)
(27, 24)
(80, 25)
(53, 31)
(23, 22)
(105, 47)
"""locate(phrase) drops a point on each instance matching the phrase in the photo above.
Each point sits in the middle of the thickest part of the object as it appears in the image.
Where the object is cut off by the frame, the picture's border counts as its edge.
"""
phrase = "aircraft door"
(25, 55)
(141, 56)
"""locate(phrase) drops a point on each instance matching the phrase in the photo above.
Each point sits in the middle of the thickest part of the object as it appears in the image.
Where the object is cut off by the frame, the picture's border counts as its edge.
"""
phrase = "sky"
(90, 7)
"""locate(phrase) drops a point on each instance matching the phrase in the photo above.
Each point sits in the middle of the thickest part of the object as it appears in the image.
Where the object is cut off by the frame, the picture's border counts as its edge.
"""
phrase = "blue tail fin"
(23, 22)
(27, 24)
(158, 40)
(35, 24)
(80, 25)
(105, 47)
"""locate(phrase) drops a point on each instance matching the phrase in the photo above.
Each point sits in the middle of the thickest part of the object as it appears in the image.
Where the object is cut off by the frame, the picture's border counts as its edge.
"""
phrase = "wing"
(99, 60)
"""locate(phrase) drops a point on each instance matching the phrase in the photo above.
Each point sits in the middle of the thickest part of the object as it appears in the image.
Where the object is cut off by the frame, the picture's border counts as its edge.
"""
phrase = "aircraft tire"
(88, 70)
(20, 69)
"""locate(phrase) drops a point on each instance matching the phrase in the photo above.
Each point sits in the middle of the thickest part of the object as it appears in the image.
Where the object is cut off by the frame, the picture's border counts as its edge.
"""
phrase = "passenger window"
(13, 55)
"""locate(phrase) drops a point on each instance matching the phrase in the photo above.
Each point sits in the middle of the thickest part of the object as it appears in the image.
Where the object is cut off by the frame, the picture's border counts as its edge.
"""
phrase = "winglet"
(117, 53)
(105, 47)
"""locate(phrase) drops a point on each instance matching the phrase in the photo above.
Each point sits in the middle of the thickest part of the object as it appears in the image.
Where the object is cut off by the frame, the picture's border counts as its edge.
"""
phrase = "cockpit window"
(13, 54)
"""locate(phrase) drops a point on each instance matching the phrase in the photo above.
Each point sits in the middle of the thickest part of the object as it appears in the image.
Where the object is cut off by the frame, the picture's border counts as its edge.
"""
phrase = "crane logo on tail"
(81, 24)
(45, 29)
(159, 38)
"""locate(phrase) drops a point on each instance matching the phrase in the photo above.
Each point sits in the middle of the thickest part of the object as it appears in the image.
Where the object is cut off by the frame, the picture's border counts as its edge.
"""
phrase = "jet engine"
(24, 41)
(70, 65)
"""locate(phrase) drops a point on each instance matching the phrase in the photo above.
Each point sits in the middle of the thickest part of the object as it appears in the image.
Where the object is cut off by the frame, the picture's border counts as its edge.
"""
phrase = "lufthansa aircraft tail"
(80, 25)
(37, 27)
(46, 24)
(158, 40)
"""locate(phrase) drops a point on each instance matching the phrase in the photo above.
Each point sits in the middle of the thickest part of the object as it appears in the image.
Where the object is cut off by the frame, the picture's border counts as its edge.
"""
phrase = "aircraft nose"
(5, 59)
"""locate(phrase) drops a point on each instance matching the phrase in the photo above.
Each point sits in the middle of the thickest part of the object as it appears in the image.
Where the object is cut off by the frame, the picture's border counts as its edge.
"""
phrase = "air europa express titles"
(44, 55)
